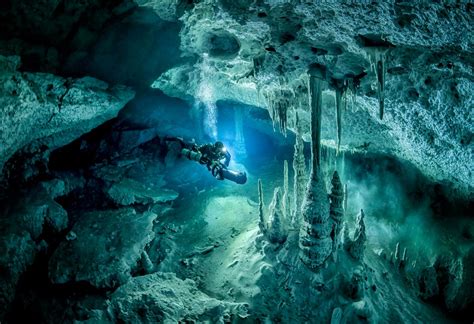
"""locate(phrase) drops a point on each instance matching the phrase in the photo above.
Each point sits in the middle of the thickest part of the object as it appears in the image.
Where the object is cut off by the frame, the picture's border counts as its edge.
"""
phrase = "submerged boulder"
(107, 247)
(162, 297)
(129, 191)
(21, 225)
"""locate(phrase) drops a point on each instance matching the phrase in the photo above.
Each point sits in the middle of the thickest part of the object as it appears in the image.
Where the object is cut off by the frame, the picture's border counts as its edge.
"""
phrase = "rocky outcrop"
(51, 110)
(449, 279)
(22, 224)
(108, 244)
(129, 191)
(164, 298)
(414, 56)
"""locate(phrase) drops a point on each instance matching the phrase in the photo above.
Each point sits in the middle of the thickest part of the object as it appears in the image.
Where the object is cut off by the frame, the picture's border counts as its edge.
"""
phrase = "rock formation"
(164, 298)
(274, 225)
(421, 88)
(315, 241)
(299, 177)
(50, 109)
(336, 211)
(109, 245)
(356, 245)
(286, 192)
(21, 229)
(261, 207)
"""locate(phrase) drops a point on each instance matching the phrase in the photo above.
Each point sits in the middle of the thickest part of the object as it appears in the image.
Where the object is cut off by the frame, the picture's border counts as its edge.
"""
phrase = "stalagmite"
(146, 263)
(286, 193)
(315, 242)
(299, 179)
(276, 229)
(356, 247)
(339, 93)
(261, 206)
(239, 146)
(397, 251)
(336, 212)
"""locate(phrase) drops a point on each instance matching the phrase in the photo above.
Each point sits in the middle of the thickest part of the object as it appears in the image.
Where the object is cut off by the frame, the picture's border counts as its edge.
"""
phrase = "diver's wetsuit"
(215, 157)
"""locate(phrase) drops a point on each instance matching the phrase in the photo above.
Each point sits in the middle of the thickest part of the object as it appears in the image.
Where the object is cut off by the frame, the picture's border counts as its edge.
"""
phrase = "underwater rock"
(18, 253)
(428, 285)
(356, 246)
(129, 192)
(40, 106)
(276, 228)
(164, 298)
(360, 312)
(336, 211)
(286, 193)
(21, 225)
(422, 123)
(314, 240)
(458, 293)
(454, 277)
(355, 287)
(261, 206)
(109, 245)
(300, 179)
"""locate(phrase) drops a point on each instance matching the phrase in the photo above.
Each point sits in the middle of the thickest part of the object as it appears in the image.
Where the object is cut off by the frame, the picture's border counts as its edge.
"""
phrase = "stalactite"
(278, 102)
(299, 178)
(377, 58)
(261, 207)
(339, 93)
(286, 193)
(315, 242)
(336, 211)
(276, 227)
(315, 88)
(381, 84)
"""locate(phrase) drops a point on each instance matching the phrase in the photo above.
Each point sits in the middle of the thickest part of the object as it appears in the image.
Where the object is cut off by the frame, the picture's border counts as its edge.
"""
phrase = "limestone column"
(315, 242)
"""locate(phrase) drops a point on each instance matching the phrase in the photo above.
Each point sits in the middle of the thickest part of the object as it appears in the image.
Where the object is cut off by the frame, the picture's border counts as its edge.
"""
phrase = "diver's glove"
(216, 169)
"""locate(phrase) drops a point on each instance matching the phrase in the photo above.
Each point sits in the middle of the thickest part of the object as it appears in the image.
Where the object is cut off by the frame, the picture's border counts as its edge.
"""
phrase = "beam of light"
(205, 95)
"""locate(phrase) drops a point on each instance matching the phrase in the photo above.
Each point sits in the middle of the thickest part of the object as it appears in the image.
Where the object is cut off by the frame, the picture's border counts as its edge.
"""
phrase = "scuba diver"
(215, 157)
